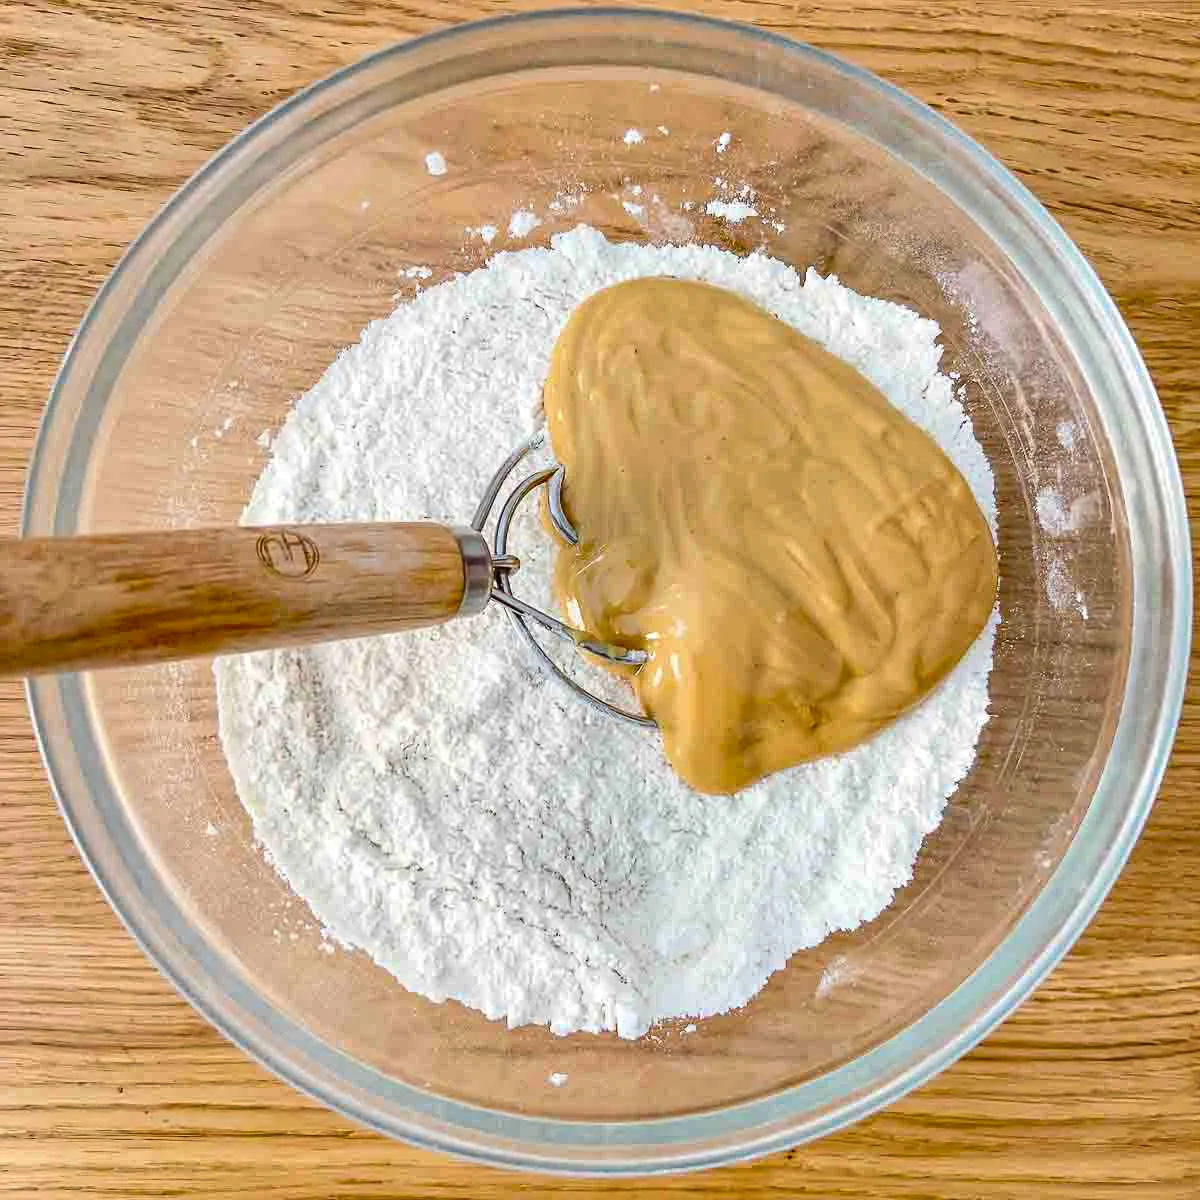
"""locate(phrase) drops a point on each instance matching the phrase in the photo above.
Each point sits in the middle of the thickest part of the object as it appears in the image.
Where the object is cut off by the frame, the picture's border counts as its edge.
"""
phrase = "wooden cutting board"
(110, 1085)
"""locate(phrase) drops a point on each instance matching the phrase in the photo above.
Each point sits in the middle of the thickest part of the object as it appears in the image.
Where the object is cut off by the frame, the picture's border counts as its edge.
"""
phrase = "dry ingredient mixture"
(800, 561)
(448, 808)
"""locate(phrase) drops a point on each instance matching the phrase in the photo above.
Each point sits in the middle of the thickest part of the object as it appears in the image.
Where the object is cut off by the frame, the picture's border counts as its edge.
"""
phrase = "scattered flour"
(522, 223)
(723, 142)
(557, 1078)
(448, 808)
(838, 972)
(1059, 518)
(564, 201)
(1052, 514)
(633, 137)
(733, 211)
(435, 163)
(486, 232)
(1060, 590)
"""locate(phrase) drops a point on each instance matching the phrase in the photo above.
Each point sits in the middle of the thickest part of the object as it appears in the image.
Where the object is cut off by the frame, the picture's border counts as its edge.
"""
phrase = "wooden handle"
(73, 603)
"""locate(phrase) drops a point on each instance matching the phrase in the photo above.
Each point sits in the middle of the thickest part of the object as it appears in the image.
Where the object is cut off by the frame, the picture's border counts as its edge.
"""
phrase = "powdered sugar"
(446, 807)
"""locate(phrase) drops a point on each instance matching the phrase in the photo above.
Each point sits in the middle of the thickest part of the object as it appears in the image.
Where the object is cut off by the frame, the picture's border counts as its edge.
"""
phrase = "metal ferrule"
(477, 571)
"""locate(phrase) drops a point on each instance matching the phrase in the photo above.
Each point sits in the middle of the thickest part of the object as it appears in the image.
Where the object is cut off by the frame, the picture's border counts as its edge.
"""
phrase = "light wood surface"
(111, 1086)
(151, 596)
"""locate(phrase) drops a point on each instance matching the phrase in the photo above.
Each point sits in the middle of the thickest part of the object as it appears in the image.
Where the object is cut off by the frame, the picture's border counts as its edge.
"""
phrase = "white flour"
(733, 211)
(444, 806)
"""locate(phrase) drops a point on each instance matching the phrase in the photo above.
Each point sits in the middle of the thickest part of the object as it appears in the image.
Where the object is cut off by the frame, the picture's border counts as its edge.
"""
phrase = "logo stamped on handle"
(288, 553)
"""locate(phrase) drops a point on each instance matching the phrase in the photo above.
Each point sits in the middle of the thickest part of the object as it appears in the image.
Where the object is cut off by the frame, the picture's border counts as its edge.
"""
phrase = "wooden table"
(110, 1085)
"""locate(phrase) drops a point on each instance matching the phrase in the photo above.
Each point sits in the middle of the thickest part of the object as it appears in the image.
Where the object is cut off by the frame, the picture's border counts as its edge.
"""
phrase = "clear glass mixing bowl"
(278, 252)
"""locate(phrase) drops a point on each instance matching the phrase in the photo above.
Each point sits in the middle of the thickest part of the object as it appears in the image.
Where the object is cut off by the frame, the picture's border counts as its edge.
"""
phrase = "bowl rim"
(764, 1124)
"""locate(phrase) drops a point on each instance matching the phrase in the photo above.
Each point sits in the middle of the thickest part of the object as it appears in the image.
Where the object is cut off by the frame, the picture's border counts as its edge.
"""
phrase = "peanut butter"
(801, 562)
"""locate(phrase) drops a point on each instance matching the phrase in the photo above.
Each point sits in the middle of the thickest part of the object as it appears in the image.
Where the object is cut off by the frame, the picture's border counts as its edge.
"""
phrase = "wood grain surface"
(110, 1085)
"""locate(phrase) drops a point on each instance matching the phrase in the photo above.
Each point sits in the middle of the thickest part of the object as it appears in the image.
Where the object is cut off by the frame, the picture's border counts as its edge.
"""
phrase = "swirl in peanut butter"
(801, 562)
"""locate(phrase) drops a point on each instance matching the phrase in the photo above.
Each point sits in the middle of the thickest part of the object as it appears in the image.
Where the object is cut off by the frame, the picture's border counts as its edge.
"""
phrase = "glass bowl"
(287, 243)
